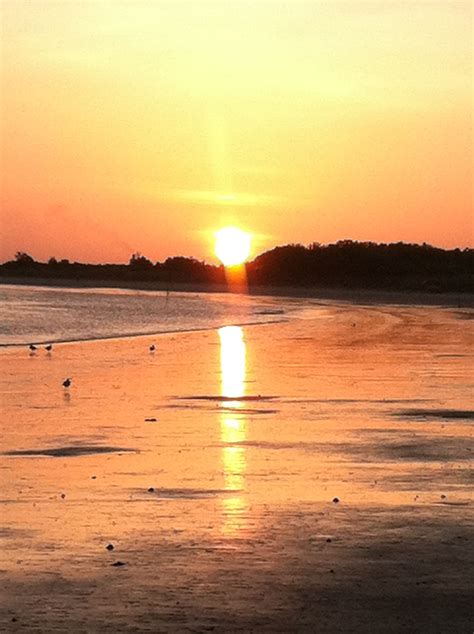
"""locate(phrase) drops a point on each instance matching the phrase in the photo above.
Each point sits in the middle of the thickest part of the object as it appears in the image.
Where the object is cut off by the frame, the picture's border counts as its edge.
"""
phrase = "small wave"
(352, 401)
(247, 410)
(225, 399)
(132, 335)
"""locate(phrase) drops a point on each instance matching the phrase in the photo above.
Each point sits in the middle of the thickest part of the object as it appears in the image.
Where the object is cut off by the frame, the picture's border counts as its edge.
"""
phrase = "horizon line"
(289, 244)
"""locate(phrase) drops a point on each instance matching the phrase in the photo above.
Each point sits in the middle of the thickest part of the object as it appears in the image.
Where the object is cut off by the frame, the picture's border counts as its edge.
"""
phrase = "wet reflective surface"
(35, 314)
(223, 509)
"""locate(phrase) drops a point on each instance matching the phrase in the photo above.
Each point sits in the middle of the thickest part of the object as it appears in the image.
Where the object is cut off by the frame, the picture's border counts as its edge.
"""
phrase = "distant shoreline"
(356, 296)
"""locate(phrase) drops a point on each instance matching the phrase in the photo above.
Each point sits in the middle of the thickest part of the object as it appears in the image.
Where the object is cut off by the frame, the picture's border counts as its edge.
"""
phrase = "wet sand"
(310, 476)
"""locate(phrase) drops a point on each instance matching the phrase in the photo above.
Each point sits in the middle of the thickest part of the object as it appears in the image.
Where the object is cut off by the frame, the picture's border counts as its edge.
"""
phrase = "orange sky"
(148, 125)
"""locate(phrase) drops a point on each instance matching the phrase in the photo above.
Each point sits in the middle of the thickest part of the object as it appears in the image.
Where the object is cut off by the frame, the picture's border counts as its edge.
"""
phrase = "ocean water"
(313, 474)
(30, 314)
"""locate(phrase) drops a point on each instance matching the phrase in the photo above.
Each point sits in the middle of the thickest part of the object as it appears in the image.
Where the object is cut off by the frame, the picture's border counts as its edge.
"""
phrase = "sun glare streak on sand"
(233, 427)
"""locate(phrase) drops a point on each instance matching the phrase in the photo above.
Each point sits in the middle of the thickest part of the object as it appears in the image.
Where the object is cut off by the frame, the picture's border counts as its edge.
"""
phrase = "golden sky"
(147, 125)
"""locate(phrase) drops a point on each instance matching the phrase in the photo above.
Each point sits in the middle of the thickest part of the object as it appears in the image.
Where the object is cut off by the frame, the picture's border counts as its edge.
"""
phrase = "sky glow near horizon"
(149, 125)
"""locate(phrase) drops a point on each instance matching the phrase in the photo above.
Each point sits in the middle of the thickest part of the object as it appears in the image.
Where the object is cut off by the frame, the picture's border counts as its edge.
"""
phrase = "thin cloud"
(213, 197)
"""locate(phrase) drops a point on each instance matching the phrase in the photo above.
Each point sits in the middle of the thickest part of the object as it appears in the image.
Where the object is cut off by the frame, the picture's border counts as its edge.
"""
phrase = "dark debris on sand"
(444, 414)
(66, 452)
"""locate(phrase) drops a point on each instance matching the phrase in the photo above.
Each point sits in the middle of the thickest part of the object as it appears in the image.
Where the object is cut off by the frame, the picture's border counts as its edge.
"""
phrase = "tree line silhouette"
(345, 264)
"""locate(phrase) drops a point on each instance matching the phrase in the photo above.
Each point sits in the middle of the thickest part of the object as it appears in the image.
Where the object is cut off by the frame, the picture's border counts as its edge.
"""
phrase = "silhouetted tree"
(139, 261)
(23, 258)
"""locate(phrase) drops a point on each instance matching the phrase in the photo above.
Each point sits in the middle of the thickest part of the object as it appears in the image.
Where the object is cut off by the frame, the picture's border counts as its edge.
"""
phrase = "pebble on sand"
(329, 540)
(63, 495)
(443, 497)
(118, 563)
(110, 547)
(150, 490)
(150, 420)
(336, 500)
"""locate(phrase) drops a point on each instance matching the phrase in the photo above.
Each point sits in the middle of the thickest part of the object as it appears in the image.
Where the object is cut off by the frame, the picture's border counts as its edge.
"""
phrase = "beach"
(362, 296)
(311, 475)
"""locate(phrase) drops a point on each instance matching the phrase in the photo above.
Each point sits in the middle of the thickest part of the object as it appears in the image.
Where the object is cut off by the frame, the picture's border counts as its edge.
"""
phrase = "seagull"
(32, 347)
(67, 382)
(152, 348)
(48, 348)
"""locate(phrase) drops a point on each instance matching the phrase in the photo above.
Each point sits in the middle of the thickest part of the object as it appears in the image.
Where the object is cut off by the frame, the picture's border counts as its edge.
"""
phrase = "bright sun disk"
(232, 246)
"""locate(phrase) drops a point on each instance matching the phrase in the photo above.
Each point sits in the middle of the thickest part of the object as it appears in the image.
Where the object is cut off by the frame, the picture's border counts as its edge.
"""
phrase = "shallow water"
(40, 314)
(223, 509)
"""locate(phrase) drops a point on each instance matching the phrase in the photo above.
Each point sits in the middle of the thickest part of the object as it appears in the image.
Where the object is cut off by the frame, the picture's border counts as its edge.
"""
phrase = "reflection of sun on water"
(233, 425)
(232, 362)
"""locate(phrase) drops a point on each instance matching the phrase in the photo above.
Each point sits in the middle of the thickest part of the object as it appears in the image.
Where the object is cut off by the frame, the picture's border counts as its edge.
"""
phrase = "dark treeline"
(139, 268)
(345, 264)
(348, 264)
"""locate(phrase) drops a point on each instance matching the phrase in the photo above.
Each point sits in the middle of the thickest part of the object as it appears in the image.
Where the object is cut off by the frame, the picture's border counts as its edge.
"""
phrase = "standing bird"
(152, 348)
(32, 347)
(67, 382)
(48, 348)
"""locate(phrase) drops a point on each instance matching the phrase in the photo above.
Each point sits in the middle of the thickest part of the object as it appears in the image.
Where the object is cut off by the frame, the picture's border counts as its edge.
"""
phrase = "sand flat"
(225, 516)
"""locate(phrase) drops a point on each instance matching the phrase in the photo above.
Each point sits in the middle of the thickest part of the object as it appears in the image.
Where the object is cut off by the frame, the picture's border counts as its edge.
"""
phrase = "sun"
(232, 246)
